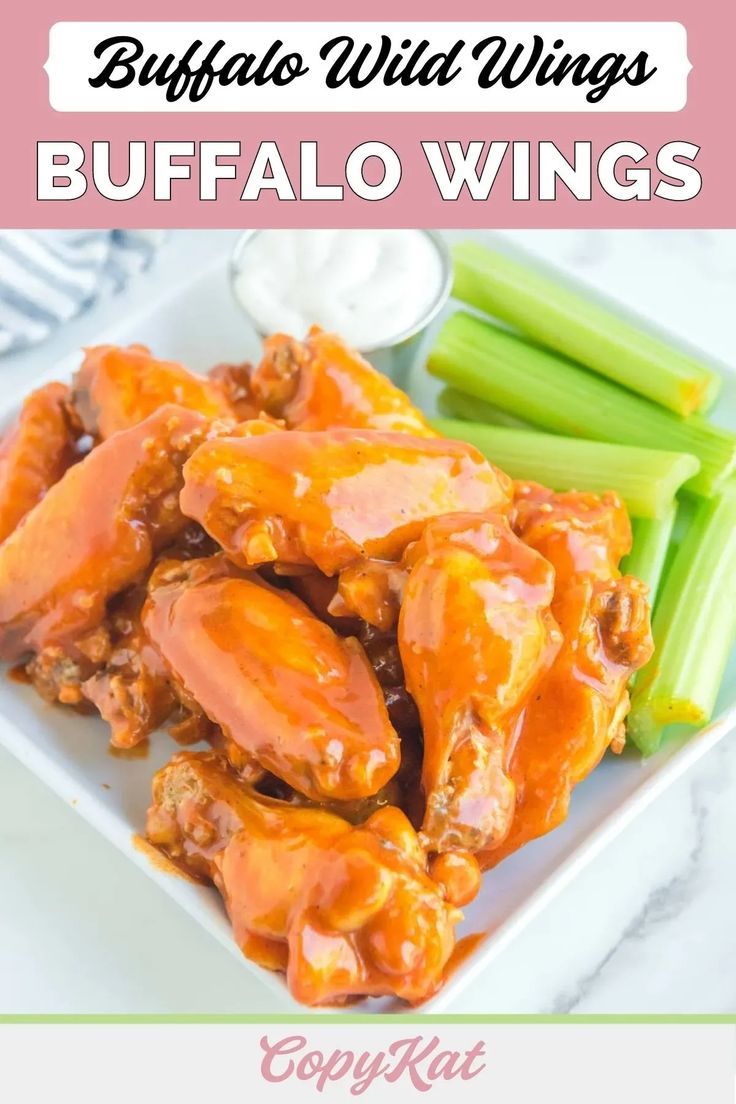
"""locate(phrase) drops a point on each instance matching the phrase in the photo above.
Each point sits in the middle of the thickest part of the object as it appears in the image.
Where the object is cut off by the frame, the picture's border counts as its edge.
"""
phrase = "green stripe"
(315, 1019)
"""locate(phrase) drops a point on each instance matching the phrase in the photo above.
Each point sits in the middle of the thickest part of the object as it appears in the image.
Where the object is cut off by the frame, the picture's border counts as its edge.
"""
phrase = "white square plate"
(201, 326)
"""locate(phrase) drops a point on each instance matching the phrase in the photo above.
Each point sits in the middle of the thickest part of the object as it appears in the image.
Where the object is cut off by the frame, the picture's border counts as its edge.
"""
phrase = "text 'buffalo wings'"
(399, 663)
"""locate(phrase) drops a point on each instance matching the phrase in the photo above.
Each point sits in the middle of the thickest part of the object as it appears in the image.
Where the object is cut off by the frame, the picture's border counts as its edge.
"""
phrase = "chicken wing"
(402, 791)
(580, 705)
(580, 533)
(320, 498)
(132, 690)
(116, 388)
(279, 683)
(94, 533)
(475, 635)
(321, 383)
(34, 453)
(346, 911)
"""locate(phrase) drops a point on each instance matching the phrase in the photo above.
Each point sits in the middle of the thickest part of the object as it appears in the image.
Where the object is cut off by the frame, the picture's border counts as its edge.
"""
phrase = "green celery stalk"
(581, 329)
(491, 364)
(646, 479)
(455, 404)
(649, 551)
(694, 626)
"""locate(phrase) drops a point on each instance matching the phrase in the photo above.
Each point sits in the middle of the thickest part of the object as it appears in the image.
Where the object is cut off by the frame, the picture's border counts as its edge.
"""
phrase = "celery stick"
(646, 479)
(455, 404)
(563, 320)
(694, 627)
(554, 394)
(649, 552)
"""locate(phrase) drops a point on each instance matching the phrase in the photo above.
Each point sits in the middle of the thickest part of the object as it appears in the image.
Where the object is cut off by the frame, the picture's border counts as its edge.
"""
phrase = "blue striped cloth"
(49, 276)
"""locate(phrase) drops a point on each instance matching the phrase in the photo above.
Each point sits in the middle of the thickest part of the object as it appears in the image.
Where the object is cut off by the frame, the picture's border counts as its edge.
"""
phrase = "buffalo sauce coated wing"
(131, 690)
(34, 453)
(475, 634)
(331, 498)
(344, 910)
(280, 684)
(580, 533)
(116, 388)
(321, 382)
(580, 705)
(94, 533)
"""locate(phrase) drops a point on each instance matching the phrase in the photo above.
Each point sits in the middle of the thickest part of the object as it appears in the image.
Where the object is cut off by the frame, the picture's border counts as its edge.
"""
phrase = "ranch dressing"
(370, 286)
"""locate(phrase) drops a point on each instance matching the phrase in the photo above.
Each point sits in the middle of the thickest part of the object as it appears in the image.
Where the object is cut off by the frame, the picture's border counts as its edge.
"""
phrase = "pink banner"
(560, 166)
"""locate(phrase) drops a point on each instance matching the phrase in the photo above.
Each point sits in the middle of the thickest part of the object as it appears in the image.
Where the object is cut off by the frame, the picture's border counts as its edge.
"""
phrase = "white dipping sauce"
(369, 286)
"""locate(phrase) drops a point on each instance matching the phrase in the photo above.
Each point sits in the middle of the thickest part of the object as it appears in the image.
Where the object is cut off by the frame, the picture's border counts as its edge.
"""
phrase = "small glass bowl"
(393, 356)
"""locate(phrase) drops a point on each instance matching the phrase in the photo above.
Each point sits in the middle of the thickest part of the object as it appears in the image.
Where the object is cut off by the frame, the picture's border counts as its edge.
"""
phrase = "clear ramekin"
(395, 355)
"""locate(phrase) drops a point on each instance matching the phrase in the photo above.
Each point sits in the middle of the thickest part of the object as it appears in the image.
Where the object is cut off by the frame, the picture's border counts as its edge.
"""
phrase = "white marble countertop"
(81, 930)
